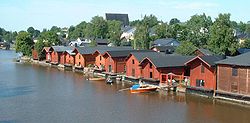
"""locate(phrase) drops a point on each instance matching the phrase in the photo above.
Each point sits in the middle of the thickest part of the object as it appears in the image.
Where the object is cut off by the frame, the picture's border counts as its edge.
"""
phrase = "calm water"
(35, 94)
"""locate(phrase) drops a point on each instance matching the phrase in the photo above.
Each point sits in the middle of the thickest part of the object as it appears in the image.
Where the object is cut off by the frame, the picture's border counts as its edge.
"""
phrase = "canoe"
(97, 79)
(142, 88)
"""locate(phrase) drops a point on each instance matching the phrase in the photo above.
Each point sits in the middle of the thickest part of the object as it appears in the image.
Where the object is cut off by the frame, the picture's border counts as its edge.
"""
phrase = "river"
(36, 94)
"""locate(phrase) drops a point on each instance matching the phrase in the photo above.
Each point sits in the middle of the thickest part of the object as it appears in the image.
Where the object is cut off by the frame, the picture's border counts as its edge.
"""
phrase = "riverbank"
(99, 76)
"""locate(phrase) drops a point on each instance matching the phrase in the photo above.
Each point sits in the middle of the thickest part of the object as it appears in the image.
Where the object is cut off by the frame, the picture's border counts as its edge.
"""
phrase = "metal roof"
(240, 60)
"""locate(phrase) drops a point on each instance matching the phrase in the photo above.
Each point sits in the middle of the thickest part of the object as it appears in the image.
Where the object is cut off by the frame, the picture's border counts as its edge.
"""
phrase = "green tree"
(247, 28)
(141, 36)
(31, 30)
(198, 27)
(114, 32)
(100, 27)
(221, 38)
(150, 21)
(242, 27)
(186, 48)
(39, 45)
(24, 43)
(174, 21)
(50, 38)
(161, 30)
(246, 43)
(93, 43)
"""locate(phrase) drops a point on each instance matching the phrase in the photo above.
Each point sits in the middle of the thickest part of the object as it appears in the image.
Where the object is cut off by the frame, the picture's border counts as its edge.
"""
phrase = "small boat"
(109, 81)
(137, 88)
(97, 79)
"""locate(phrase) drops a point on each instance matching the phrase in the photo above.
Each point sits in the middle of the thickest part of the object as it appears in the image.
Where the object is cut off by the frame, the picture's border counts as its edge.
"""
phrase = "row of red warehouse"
(204, 74)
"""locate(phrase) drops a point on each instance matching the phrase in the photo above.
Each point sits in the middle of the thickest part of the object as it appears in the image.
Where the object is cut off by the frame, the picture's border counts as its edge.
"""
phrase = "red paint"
(209, 74)
(99, 59)
(46, 51)
(34, 54)
(83, 60)
(69, 59)
(132, 67)
(55, 57)
(117, 64)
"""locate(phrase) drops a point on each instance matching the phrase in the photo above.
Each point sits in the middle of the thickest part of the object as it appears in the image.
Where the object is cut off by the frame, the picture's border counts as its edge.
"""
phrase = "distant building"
(118, 17)
(166, 42)
(128, 33)
(203, 52)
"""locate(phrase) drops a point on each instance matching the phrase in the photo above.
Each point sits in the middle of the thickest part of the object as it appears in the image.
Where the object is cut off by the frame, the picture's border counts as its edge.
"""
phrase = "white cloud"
(195, 5)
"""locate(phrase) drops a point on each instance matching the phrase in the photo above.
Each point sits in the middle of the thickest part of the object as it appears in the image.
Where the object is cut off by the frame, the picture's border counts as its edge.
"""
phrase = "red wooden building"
(115, 61)
(69, 58)
(84, 56)
(133, 68)
(100, 60)
(164, 68)
(233, 77)
(203, 73)
(34, 54)
(57, 54)
(46, 52)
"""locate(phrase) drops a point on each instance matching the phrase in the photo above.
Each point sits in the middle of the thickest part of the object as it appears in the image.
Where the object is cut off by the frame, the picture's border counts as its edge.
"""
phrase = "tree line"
(200, 31)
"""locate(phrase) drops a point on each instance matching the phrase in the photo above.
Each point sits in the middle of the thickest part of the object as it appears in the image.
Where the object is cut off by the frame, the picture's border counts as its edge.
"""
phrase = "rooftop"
(240, 60)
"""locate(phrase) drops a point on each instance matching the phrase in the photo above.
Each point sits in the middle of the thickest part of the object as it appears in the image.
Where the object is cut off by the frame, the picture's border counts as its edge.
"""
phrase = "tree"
(114, 32)
(247, 28)
(246, 43)
(55, 29)
(150, 20)
(31, 30)
(99, 26)
(39, 45)
(24, 43)
(242, 27)
(174, 21)
(50, 38)
(134, 23)
(161, 30)
(186, 48)
(141, 36)
(93, 43)
(198, 29)
(221, 38)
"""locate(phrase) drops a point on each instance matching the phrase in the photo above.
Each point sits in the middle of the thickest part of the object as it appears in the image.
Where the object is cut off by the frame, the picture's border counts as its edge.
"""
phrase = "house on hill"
(166, 42)
(203, 74)
(233, 77)
(118, 17)
(164, 49)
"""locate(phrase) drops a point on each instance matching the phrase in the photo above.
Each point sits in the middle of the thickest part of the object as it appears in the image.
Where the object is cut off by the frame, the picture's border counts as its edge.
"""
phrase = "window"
(202, 68)
(124, 68)
(200, 83)
(79, 56)
(100, 58)
(133, 72)
(234, 72)
(163, 78)
(150, 65)
(151, 75)
(133, 61)
(110, 68)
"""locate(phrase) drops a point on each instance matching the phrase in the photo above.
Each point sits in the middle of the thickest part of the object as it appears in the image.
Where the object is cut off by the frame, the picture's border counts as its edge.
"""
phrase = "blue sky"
(18, 15)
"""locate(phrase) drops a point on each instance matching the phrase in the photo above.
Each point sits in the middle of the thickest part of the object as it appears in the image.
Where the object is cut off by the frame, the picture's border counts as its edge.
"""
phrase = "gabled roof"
(209, 60)
(46, 49)
(205, 51)
(90, 50)
(105, 49)
(70, 52)
(141, 54)
(165, 48)
(240, 60)
(62, 48)
(166, 42)
(161, 61)
(119, 17)
(119, 53)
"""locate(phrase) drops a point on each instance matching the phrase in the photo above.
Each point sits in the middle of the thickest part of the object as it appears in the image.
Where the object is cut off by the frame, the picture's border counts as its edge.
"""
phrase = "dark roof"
(166, 42)
(205, 51)
(140, 55)
(243, 36)
(105, 49)
(88, 50)
(240, 60)
(243, 50)
(118, 17)
(161, 60)
(121, 53)
(165, 48)
(210, 60)
(101, 41)
(126, 28)
(62, 48)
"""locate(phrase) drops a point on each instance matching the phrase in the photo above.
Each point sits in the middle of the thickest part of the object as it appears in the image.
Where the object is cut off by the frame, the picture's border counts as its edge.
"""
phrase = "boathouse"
(34, 53)
(46, 52)
(233, 78)
(100, 60)
(84, 57)
(165, 68)
(203, 74)
(115, 61)
(133, 68)
(69, 58)
(57, 54)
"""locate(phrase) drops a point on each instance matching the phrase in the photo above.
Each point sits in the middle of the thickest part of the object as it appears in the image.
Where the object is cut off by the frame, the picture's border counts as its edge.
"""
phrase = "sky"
(17, 15)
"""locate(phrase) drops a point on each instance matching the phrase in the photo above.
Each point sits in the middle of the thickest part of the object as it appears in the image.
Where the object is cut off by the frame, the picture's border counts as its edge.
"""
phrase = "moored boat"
(97, 79)
(137, 88)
